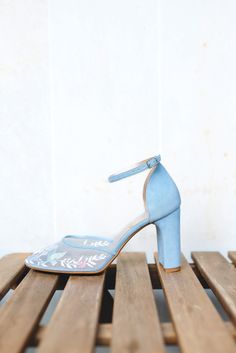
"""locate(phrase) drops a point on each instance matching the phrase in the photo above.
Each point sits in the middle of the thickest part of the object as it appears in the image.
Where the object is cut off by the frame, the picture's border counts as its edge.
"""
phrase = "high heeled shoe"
(93, 254)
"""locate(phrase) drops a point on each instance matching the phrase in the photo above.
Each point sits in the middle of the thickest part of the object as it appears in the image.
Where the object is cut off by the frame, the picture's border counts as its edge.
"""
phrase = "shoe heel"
(168, 241)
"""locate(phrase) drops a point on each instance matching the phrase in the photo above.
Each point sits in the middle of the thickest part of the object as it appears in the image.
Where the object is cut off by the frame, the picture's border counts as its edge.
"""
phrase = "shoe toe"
(68, 259)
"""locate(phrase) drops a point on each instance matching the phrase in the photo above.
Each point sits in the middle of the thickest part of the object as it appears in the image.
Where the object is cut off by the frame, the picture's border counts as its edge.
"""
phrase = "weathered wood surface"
(132, 323)
(73, 326)
(221, 277)
(193, 314)
(136, 326)
(20, 315)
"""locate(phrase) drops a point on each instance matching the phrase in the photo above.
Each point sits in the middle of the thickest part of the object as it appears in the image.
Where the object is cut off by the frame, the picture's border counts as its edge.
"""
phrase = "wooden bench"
(86, 315)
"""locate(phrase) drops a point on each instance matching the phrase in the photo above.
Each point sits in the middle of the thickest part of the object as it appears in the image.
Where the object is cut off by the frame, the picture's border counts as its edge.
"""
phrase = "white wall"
(90, 87)
(198, 113)
(26, 220)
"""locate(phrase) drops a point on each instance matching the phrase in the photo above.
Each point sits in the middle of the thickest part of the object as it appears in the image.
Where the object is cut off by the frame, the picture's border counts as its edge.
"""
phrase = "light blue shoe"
(93, 254)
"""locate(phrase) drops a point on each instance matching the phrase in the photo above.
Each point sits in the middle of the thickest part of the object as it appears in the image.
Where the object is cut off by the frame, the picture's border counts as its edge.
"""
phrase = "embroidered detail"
(53, 258)
(57, 259)
(46, 251)
(95, 243)
(82, 262)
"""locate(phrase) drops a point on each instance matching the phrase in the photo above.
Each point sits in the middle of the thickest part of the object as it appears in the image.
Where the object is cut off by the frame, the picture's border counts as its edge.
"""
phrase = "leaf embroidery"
(56, 259)
(95, 243)
(82, 261)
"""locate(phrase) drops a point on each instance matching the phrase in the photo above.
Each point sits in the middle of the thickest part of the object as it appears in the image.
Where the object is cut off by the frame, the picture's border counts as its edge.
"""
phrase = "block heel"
(168, 241)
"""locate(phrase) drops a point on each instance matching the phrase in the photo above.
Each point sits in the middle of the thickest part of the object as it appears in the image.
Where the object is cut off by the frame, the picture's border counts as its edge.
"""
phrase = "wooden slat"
(193, 314)
(221, 277)
(22, 312)
(73, 326)
(11, 268)
(136, 327)
(232, 256)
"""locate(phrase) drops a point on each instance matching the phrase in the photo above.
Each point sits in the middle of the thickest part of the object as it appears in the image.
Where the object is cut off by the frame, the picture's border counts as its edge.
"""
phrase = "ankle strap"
(137, 168)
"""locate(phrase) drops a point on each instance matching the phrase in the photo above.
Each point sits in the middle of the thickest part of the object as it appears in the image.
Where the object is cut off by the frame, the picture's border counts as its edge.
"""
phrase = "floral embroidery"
(82, 261)
(57, 259)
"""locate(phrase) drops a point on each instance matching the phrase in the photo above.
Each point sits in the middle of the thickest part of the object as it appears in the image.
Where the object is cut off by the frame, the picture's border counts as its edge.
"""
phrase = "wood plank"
(136, 327)
(193, 314)
(73, 326)
(232, 256)
(221, 277)
(22, 312)
(11, 268)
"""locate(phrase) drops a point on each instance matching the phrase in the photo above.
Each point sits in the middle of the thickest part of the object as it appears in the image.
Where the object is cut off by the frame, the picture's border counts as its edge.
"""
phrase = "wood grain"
(136, 327)
(221, 277)
(73, 326)
(22, 312)
(193, 314)
(11, 268)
